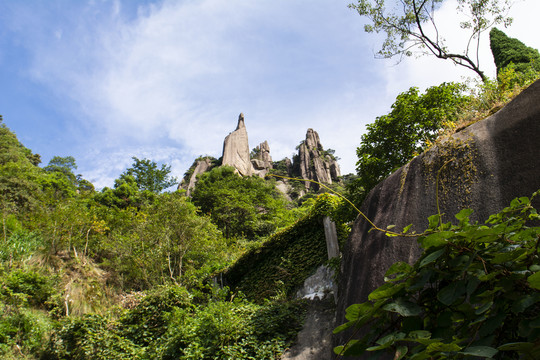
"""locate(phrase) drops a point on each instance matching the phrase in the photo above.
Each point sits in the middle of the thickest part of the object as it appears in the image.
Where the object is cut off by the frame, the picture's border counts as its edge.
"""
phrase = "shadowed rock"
(483, 167)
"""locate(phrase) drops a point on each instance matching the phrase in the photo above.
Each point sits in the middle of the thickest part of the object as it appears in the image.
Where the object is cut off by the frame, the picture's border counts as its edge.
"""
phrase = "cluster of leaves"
(415, 121)
(474, 292)
(169, 323)
(411, 27)
(507, 50)
(240, 206)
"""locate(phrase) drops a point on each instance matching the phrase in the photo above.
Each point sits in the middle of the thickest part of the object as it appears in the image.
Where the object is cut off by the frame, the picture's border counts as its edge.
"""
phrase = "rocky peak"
(236, 149)
(314, 163)
(262, 161)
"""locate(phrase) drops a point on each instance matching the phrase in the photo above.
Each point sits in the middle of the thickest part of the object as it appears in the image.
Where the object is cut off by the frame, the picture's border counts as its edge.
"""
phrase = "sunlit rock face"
(314, 164)
(201, 166)
(236, 149)
(482, 167)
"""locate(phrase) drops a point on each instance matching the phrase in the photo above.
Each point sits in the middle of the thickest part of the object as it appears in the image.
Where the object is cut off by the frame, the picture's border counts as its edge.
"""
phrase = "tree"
(507, 50)
(239, 206)
(394, 139)
(411, 28)
(149, 177)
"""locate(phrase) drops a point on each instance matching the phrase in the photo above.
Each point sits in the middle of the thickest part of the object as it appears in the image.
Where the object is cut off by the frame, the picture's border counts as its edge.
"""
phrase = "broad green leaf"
(401, 351)
(343, 327)
(440, 346)
(483, 351)
(526, 301)
(516, 346)
(436, 239)
(420, 334)
(398, 267)
(451, 293)
(534, 280)
(501, 258)
(432, 257)
(483, 308)
(403, 307)
(463, 214)
(434, 221)
(385, 291)
(354, 311)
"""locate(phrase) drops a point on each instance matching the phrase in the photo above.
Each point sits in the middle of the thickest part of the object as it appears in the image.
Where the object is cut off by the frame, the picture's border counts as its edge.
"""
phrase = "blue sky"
(105, 80)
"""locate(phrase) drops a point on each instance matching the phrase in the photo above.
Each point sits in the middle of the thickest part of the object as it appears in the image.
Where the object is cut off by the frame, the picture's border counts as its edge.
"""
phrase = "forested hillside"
(140, 271)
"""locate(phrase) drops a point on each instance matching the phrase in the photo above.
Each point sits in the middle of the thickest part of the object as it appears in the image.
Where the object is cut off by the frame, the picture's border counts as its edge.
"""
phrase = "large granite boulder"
(236, 149)
(482, 167)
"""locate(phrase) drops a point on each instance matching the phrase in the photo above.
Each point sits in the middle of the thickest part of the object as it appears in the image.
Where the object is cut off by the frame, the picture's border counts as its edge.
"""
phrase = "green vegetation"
(474, 292)
(240, 206)
(507, 50)
(279, 266)
(126, 273)
(149, 177)
(411, 27)
(415, 121)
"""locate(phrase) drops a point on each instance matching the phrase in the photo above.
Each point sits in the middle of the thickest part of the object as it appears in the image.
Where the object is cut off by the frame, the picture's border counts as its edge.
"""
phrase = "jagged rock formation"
(262, 162)
(236, 149)
(199, 166)
(493, 161)
(314, 163)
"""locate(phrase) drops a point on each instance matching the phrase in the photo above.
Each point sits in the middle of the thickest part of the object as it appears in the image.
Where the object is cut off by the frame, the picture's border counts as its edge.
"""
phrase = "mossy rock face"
(282, 263)
(451, 167)
(482, 167)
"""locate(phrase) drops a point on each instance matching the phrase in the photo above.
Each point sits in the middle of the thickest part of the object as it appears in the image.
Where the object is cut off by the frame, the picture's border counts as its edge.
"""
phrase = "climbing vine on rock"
(474, 292)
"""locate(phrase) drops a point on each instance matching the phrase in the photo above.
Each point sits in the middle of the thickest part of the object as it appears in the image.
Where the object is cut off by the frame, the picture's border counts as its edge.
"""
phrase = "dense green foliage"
(170, 324)
(148, 176)
(507, 50)
(240, 206)
(123, 273)
(281, 264)
(415, 121)
(474, 292)
(411, 27)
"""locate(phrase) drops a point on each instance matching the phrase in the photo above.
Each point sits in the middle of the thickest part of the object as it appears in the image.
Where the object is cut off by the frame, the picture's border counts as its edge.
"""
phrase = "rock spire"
(236, 149)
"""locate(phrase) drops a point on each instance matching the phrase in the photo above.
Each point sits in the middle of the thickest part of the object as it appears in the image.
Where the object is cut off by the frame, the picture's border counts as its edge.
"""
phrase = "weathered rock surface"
(200, 166)
(236, 149)
(314, 341)
(262, 163)
(491, 162)
(313, 163)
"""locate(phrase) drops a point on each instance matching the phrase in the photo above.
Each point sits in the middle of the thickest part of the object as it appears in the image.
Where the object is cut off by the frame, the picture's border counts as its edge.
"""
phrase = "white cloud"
(167, 80)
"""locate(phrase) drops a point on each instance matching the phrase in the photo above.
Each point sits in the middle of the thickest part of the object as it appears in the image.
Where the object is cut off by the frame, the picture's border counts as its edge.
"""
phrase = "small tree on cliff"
(411, 28)
(394, 139)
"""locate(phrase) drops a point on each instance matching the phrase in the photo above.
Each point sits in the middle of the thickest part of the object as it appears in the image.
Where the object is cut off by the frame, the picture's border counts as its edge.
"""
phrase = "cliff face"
(236, 149)
(199, 166)
(314, 163)
(485, 166)
(262, 163)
